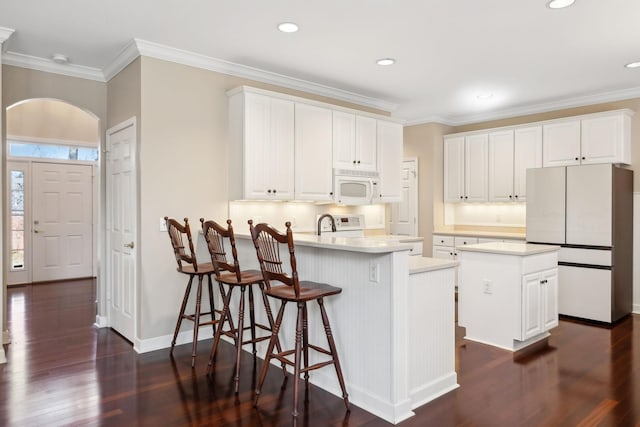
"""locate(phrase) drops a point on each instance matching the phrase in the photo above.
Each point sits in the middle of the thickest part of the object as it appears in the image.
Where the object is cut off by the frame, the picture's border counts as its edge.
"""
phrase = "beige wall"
(52, 119)
(425, 143)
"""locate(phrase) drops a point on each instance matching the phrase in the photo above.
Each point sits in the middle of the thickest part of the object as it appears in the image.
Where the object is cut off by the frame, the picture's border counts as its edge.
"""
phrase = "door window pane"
(17, 219)
(51, 151)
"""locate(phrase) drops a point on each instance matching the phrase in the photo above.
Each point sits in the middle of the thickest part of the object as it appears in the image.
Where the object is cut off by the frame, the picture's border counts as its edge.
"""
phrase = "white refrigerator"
(588, 211)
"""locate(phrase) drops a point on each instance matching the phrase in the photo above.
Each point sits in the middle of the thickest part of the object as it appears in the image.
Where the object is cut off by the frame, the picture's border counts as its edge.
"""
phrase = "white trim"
(126, 56)
(184, 57)
(6, 337)
(578, 101)
(164, 341)
(48, 66)
(101, 322)
(5, 34)
(635, 275)
(52, 141)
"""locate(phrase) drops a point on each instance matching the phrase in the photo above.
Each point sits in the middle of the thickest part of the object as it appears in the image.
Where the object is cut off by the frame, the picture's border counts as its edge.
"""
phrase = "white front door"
(122, 213)
(62, 228)
(404, 214)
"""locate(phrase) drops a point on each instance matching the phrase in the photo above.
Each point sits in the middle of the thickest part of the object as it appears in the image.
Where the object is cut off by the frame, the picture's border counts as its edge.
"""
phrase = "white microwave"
(355, 187)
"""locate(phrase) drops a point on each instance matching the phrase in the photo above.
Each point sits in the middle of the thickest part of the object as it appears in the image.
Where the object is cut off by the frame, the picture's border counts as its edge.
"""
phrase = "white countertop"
(488, 234)
(518, 249)
(353, 244)
(397, 238)
(419, 264)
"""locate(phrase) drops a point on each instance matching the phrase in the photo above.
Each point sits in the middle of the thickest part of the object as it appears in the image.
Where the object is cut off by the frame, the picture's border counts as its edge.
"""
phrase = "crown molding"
(5, 34)
(47, 65)
(180, 56)
(126, 56)
(575, 102)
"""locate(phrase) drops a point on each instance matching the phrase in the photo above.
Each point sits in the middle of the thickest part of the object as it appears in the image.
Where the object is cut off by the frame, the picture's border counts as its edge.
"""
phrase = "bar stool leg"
(181, 315)
(252, 319)
(298, 351)
(334, 352)
(196, 322)
(267, 308)
(212, 305)
(305, 344)
(239, 340)
(216, 338)
(269, 354)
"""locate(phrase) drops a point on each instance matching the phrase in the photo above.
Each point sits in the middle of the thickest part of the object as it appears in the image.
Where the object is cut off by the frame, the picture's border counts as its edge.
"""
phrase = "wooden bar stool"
(219, 239)
(268, 241)
(188, 264)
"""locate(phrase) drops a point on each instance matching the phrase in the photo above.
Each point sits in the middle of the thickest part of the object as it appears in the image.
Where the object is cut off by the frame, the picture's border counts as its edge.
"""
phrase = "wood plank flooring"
(63, 371)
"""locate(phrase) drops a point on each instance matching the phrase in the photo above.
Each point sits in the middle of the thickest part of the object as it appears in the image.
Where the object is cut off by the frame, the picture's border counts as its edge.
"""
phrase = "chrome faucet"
(333, 222)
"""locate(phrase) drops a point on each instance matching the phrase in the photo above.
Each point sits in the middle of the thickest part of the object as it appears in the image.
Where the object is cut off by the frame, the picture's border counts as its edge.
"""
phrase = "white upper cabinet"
(501, 166)
(466, 164)
(527, 153)
(511, 153)
(354, 141)
(561, 143)
(454, 169)
(390, 160)
(606, 139)
(475, 168)
(598, 138)
(313, 153)
(261, 135)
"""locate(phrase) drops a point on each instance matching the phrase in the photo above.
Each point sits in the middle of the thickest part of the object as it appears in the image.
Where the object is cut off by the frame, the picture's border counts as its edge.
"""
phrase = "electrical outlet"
(163, 224)
(487, 287)
(374, 272)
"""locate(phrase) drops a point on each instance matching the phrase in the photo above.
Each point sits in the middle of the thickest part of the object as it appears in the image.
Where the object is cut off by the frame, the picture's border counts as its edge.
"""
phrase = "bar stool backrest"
(178, 233)
(267, 241)
(215, 235)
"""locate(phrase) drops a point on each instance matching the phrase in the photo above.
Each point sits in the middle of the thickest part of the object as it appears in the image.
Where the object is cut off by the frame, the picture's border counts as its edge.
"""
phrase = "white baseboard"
(636, 308)
(101, 322)
(3, 357)
(164, 341)
(433, 390)
(6, 337)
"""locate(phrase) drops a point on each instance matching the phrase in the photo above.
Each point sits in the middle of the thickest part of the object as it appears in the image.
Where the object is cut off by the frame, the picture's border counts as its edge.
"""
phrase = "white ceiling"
(531, 58)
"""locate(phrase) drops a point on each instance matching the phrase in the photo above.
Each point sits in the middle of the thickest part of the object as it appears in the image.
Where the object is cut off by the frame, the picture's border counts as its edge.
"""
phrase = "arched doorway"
(51, 191)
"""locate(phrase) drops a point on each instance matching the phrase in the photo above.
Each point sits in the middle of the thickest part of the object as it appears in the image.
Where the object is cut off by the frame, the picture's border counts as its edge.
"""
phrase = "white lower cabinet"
(539, 303)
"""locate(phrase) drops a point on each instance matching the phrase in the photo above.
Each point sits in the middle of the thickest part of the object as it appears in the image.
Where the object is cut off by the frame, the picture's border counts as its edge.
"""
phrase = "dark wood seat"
(227, 271)
(188, 264)
(288, 288)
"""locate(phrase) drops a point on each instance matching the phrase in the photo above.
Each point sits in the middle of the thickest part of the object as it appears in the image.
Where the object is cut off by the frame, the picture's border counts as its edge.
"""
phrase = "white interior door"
(122, 213)
(404, 214)
(62, 215)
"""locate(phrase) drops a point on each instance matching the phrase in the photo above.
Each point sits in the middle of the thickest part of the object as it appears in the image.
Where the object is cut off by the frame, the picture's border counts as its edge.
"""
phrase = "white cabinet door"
(475, 168)
(443, 252)
(561, 143)
(531, 306)
(589, 211)
(390, 160)
(366, 143)
(527, 153)
(604, 140)
(454, 169)
(268, 148)
(313, 153)
(279, 170)
(501, 166)
(344, 140)
(549, 299)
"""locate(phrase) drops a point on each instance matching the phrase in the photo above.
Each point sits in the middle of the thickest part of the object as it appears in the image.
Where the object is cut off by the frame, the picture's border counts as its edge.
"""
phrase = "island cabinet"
(261, 134)
(393, 322)
(508, 293)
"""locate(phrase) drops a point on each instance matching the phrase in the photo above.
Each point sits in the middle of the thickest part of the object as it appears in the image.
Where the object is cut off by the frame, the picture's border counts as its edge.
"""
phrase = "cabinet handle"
(543, 281)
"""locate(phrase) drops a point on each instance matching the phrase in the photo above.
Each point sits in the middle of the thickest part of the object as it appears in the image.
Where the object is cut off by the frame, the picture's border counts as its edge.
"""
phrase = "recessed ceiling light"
(288, 27)
(386, 61)
(559, 4)
(633, 65)
(59, 58)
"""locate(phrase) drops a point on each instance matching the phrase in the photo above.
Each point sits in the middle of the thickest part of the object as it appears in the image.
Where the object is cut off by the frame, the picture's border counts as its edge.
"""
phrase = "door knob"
(129, 245)
(36, 230)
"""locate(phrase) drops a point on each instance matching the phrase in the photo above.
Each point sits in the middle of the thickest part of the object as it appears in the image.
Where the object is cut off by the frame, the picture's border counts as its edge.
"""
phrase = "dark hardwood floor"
(63, 371)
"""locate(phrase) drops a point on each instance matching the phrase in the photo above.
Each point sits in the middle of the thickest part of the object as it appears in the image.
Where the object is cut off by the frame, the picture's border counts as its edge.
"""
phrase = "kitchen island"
(508, 293)
(393, 322)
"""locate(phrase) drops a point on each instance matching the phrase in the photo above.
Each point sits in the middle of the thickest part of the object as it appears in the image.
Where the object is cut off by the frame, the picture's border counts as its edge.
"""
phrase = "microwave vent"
(350, 172)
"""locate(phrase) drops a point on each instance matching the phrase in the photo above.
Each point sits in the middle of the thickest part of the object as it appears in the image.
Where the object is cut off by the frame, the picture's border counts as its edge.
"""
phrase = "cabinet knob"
(331, 194)
(516, 196)
(358, 161)
(354, 162)
(274, 191)
(269, 191)
(465, 197)
(461, 197)
(451, 253)
(510, 196)
(577, 158)
(441, 241)
(584, 158)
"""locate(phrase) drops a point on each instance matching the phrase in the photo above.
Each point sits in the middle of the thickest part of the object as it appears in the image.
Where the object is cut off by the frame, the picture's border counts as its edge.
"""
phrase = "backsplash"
(301, 214)
(507, 214)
